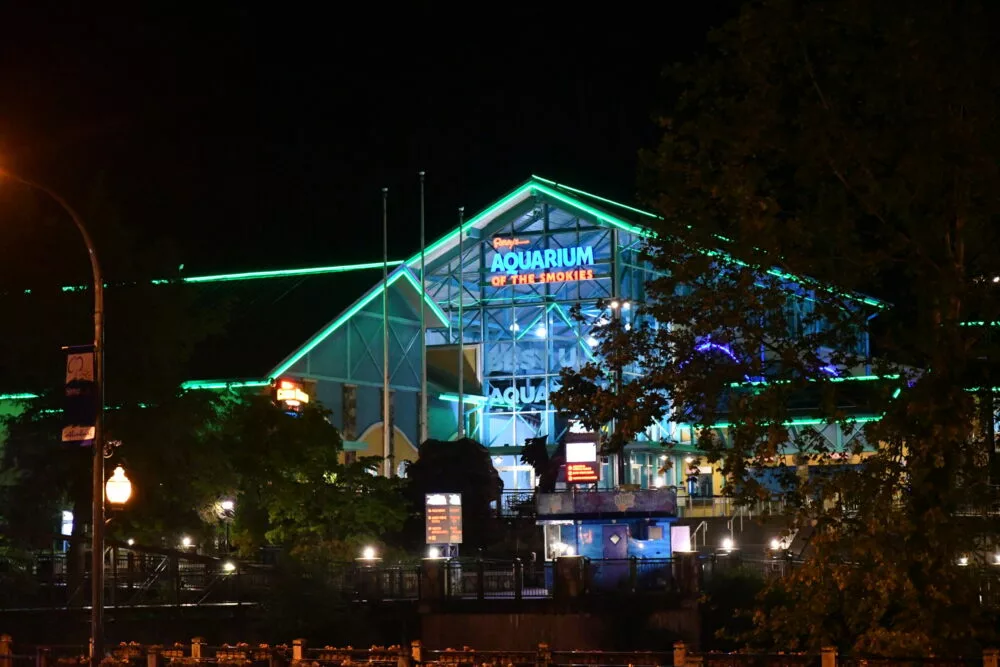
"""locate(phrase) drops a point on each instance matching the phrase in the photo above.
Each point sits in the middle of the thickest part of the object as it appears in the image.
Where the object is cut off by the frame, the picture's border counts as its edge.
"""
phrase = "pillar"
(433, 573)
(196, 645)
(569, 579)
(991, 657)
(828, 657)
(298, 650)
(680, 654)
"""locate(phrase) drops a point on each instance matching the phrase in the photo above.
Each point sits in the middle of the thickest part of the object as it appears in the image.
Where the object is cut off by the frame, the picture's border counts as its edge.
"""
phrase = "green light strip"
(852, 378)
(979, 323)
(223, 384)
(864, 419)
(402, 272)
(568, 188)
(285, 273)
(17, 397)
(467, 398)
(590, 210)
(507, 201)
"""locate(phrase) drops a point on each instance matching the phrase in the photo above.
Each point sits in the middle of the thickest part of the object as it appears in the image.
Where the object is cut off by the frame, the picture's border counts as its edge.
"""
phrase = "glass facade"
(518, 281)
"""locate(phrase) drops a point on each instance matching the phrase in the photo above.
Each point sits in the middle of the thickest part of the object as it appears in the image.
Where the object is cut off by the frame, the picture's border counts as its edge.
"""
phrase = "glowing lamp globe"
(118, 489)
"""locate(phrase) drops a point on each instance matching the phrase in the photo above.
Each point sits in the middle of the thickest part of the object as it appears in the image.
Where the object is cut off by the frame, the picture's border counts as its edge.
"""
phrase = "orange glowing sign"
(539, 278)
(583, 473)
(291, 394)
(499, 242)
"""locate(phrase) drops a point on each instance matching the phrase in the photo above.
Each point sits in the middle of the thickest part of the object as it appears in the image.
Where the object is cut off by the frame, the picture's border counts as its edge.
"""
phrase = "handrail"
(703, 527)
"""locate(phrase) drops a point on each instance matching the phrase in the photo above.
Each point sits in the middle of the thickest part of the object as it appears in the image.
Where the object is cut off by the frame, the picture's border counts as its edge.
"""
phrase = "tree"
(292, 489)
(463, 466)
(854, 143)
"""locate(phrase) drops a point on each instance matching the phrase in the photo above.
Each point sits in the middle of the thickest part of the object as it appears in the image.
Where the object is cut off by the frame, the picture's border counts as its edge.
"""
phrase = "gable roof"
(271, 312)
(603, 210)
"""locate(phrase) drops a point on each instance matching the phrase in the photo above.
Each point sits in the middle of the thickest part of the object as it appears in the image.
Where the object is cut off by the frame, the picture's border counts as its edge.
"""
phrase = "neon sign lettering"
(541, 260)
(538, 278)
(525, 395)
(499, 242)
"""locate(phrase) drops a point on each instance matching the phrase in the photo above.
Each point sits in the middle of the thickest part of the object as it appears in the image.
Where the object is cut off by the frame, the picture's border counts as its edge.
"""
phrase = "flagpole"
(386, 426)
(423, 317)
(461, 326)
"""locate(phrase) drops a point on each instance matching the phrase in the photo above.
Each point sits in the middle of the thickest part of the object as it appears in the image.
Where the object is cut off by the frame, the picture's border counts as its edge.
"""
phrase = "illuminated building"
(505, 286)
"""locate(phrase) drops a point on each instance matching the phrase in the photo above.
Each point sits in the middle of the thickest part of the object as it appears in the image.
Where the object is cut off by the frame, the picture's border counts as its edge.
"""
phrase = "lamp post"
(618, 308)
(97, 488)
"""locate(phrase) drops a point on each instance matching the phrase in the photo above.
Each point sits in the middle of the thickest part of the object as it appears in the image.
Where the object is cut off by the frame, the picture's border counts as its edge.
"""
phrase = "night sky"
(260, 136)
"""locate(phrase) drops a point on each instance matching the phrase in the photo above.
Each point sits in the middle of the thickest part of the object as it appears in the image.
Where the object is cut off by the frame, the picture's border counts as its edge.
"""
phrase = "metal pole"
(97, 490)
(423, 317)
(461, 327)
(386, 426)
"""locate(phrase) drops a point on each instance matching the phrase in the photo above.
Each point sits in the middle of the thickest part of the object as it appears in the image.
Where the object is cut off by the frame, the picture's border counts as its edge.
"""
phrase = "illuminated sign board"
(581, 452)
(443, 512)
(514, 395)
(583, 473)
(582, 466)
(528, 267)
(291, 395)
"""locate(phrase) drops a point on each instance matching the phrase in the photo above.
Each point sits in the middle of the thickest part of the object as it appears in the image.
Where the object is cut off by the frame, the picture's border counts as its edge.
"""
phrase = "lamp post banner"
(80, 402)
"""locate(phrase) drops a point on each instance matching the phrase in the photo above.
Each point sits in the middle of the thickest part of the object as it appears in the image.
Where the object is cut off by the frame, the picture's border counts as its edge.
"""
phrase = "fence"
(197, 652)
(133, 577)
(828, 657)
(569, 577)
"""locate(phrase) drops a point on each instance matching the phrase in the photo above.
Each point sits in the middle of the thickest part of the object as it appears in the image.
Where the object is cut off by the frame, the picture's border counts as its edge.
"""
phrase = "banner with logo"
(81, 398)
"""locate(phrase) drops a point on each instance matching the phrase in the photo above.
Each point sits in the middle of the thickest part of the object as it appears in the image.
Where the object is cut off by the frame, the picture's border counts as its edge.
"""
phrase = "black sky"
(259, 135)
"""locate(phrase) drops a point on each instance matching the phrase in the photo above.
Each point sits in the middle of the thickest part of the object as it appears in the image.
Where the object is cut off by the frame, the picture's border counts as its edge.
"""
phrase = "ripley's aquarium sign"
(511, 266)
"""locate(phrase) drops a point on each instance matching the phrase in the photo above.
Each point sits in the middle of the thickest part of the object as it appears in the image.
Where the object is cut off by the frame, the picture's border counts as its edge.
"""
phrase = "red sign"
(588, 472)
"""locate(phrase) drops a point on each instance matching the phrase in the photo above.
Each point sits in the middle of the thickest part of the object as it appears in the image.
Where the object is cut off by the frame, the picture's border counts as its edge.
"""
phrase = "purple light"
(830, 370)
(709, 345)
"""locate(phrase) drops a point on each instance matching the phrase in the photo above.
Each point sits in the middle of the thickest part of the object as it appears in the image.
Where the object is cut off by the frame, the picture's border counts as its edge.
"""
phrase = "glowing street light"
(119, 488)
(97, 444)
(368, 553)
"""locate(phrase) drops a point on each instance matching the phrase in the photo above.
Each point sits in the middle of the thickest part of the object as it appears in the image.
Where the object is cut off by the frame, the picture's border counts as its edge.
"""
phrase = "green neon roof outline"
(17, 397)
(247, 275)
(466, 398)
(801, 421)
(284, 273)
(591, 195)
(401, 272)
(540, 185)
(223, 384)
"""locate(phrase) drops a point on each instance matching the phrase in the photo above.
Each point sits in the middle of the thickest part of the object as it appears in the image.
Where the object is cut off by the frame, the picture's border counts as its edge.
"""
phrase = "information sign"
(443, 518)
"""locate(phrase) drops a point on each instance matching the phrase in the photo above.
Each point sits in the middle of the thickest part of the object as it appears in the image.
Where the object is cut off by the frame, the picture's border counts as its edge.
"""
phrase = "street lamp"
(118, 488)
(618, 307)
(97, 483)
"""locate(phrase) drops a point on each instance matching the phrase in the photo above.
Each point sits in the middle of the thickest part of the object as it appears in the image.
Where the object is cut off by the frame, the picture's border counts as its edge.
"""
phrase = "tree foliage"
(855, 143)
(187, 454)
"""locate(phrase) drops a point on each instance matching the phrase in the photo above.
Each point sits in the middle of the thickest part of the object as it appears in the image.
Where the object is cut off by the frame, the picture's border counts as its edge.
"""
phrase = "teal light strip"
(507, 201)
(862, 419)
(852, 378)
(17, 397)
(590, 210)
(223, 384)
(285, 273)
(375, 292)
(980, 323)
(568, 188)
(467, 398)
